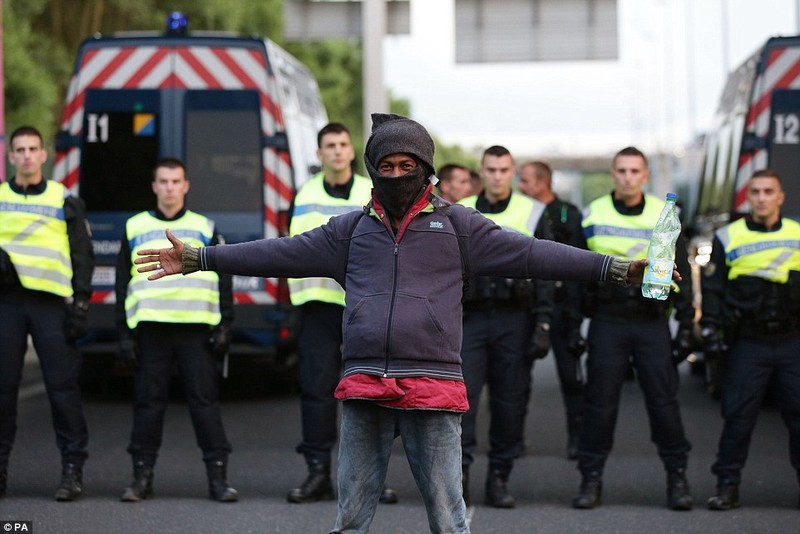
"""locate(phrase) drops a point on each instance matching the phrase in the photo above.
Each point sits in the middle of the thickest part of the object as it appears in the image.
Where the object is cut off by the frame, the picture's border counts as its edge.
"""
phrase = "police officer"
(626, 327)
(185, 321)
(335, 190)
(535, 180)
(751, 301)
(455, 182)
(506, 327)
(46, 261)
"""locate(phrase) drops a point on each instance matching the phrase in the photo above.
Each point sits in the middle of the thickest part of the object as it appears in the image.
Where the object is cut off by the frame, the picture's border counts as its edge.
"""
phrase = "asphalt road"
(264, 466)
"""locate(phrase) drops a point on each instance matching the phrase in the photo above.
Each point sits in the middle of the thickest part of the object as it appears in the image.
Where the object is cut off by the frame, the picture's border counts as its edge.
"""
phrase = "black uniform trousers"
(751, 366)
(612, 345)
(60, 362)
(187, 346)
(319, 348)
(494, 352)
(568, 368)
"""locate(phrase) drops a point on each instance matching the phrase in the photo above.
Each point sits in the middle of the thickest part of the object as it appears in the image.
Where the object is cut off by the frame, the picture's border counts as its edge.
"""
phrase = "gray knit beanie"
(395, 134)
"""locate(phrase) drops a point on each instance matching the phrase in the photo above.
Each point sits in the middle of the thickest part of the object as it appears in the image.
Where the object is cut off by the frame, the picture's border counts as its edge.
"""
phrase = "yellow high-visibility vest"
(522, 214)
(313, 207)
(609, 232)
(767, 255)
(33, 231)
(193, 298)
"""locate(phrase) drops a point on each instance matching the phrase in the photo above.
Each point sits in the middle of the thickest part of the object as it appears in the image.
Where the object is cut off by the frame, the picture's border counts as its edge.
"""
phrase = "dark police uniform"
(321, 301)
(499, 317)
(46, 258)
(565, 222)
(172, 323)
(751, 289)
(626, 327)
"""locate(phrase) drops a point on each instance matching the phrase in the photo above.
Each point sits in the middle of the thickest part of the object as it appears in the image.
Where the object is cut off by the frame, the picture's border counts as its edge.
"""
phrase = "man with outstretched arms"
(402, 262)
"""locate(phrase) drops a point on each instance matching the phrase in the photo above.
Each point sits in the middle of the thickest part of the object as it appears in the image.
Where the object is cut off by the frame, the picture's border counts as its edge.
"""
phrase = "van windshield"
(223, 151)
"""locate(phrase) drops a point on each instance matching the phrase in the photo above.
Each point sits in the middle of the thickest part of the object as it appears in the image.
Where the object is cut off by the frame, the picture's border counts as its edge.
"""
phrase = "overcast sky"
(659, 94)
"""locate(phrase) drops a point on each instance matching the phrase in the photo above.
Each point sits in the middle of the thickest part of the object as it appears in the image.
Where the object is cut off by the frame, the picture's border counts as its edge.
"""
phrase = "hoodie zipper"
(391, 312)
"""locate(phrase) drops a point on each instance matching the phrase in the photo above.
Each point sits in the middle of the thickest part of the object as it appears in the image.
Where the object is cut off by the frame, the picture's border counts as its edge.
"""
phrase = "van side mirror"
(279, 141)
(751, 141)
(65, 141)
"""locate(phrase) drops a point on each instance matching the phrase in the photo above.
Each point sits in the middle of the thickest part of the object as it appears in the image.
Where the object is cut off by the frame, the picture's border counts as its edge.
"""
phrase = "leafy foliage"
(41, 38)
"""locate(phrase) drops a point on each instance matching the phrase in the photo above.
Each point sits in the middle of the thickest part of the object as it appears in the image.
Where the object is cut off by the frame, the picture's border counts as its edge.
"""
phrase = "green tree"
(41, 38)
(456, 154)
(33, 66)
(594, 185)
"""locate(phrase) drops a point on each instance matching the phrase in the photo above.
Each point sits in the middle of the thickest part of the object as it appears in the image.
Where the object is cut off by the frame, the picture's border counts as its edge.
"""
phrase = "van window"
(223, 151)
(120, 146)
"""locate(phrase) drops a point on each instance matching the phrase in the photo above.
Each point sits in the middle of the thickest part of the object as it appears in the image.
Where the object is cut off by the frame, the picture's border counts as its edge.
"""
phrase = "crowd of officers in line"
(750, 317)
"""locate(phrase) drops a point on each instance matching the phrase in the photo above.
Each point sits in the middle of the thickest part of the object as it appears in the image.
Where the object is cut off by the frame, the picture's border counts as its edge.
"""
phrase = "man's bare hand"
(637, 267)
(162, 262)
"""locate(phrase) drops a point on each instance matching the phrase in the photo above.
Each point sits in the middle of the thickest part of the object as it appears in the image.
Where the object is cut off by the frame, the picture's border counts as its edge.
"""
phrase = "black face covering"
(398, 193)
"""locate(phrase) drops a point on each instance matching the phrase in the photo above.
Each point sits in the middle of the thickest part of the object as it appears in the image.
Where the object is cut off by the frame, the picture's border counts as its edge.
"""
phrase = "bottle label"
(659, 272)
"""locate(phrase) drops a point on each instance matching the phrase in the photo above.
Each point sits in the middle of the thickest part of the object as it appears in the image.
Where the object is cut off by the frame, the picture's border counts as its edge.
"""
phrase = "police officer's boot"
(317, 485)
(142, 485)
(678, 496)
(71, 486)
(574, 425)
(218, 488)
(497, 494)
(590, 493)
(465, 483)
(3, 482)
(727, 497)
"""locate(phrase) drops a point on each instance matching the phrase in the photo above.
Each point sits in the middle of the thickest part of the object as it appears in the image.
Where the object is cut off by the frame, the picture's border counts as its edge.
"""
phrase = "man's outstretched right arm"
(312, 253)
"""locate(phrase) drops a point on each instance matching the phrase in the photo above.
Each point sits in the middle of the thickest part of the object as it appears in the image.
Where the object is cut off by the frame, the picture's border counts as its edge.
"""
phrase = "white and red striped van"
(757, 126)
(240, 111)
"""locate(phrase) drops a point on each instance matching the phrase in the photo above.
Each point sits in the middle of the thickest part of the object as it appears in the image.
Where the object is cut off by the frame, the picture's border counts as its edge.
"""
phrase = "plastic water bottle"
(661, 252)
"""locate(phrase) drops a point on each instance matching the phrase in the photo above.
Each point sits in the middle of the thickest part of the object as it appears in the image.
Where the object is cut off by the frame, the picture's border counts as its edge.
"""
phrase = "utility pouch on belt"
(793, 291)
(746, 294)
(628, 302)
(764, 308)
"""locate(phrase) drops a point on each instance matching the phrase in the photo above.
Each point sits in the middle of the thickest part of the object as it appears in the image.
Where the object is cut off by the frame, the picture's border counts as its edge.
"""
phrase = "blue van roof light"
(177, 23)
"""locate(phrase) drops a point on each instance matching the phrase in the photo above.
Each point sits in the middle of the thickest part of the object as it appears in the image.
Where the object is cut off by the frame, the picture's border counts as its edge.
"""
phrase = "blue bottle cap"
(672, 196)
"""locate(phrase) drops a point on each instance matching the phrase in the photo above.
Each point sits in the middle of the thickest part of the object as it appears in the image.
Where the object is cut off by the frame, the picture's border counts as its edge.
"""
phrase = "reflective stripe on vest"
(609, 232)
(192, 298)
(522, 214)
(313, 207)
(767, 255)
(33, 231)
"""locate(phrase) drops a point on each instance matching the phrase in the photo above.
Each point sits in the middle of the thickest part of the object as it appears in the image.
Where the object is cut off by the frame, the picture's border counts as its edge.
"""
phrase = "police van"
(757, 126)
(241, 112)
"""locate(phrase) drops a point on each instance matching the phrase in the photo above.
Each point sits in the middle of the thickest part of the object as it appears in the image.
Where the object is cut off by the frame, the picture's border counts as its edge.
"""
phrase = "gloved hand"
(576, 343)
(713, 343)
(128, 354)
(683, 344)
(77, 319)
(540, 341)
(8, 275)
(220, 341)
